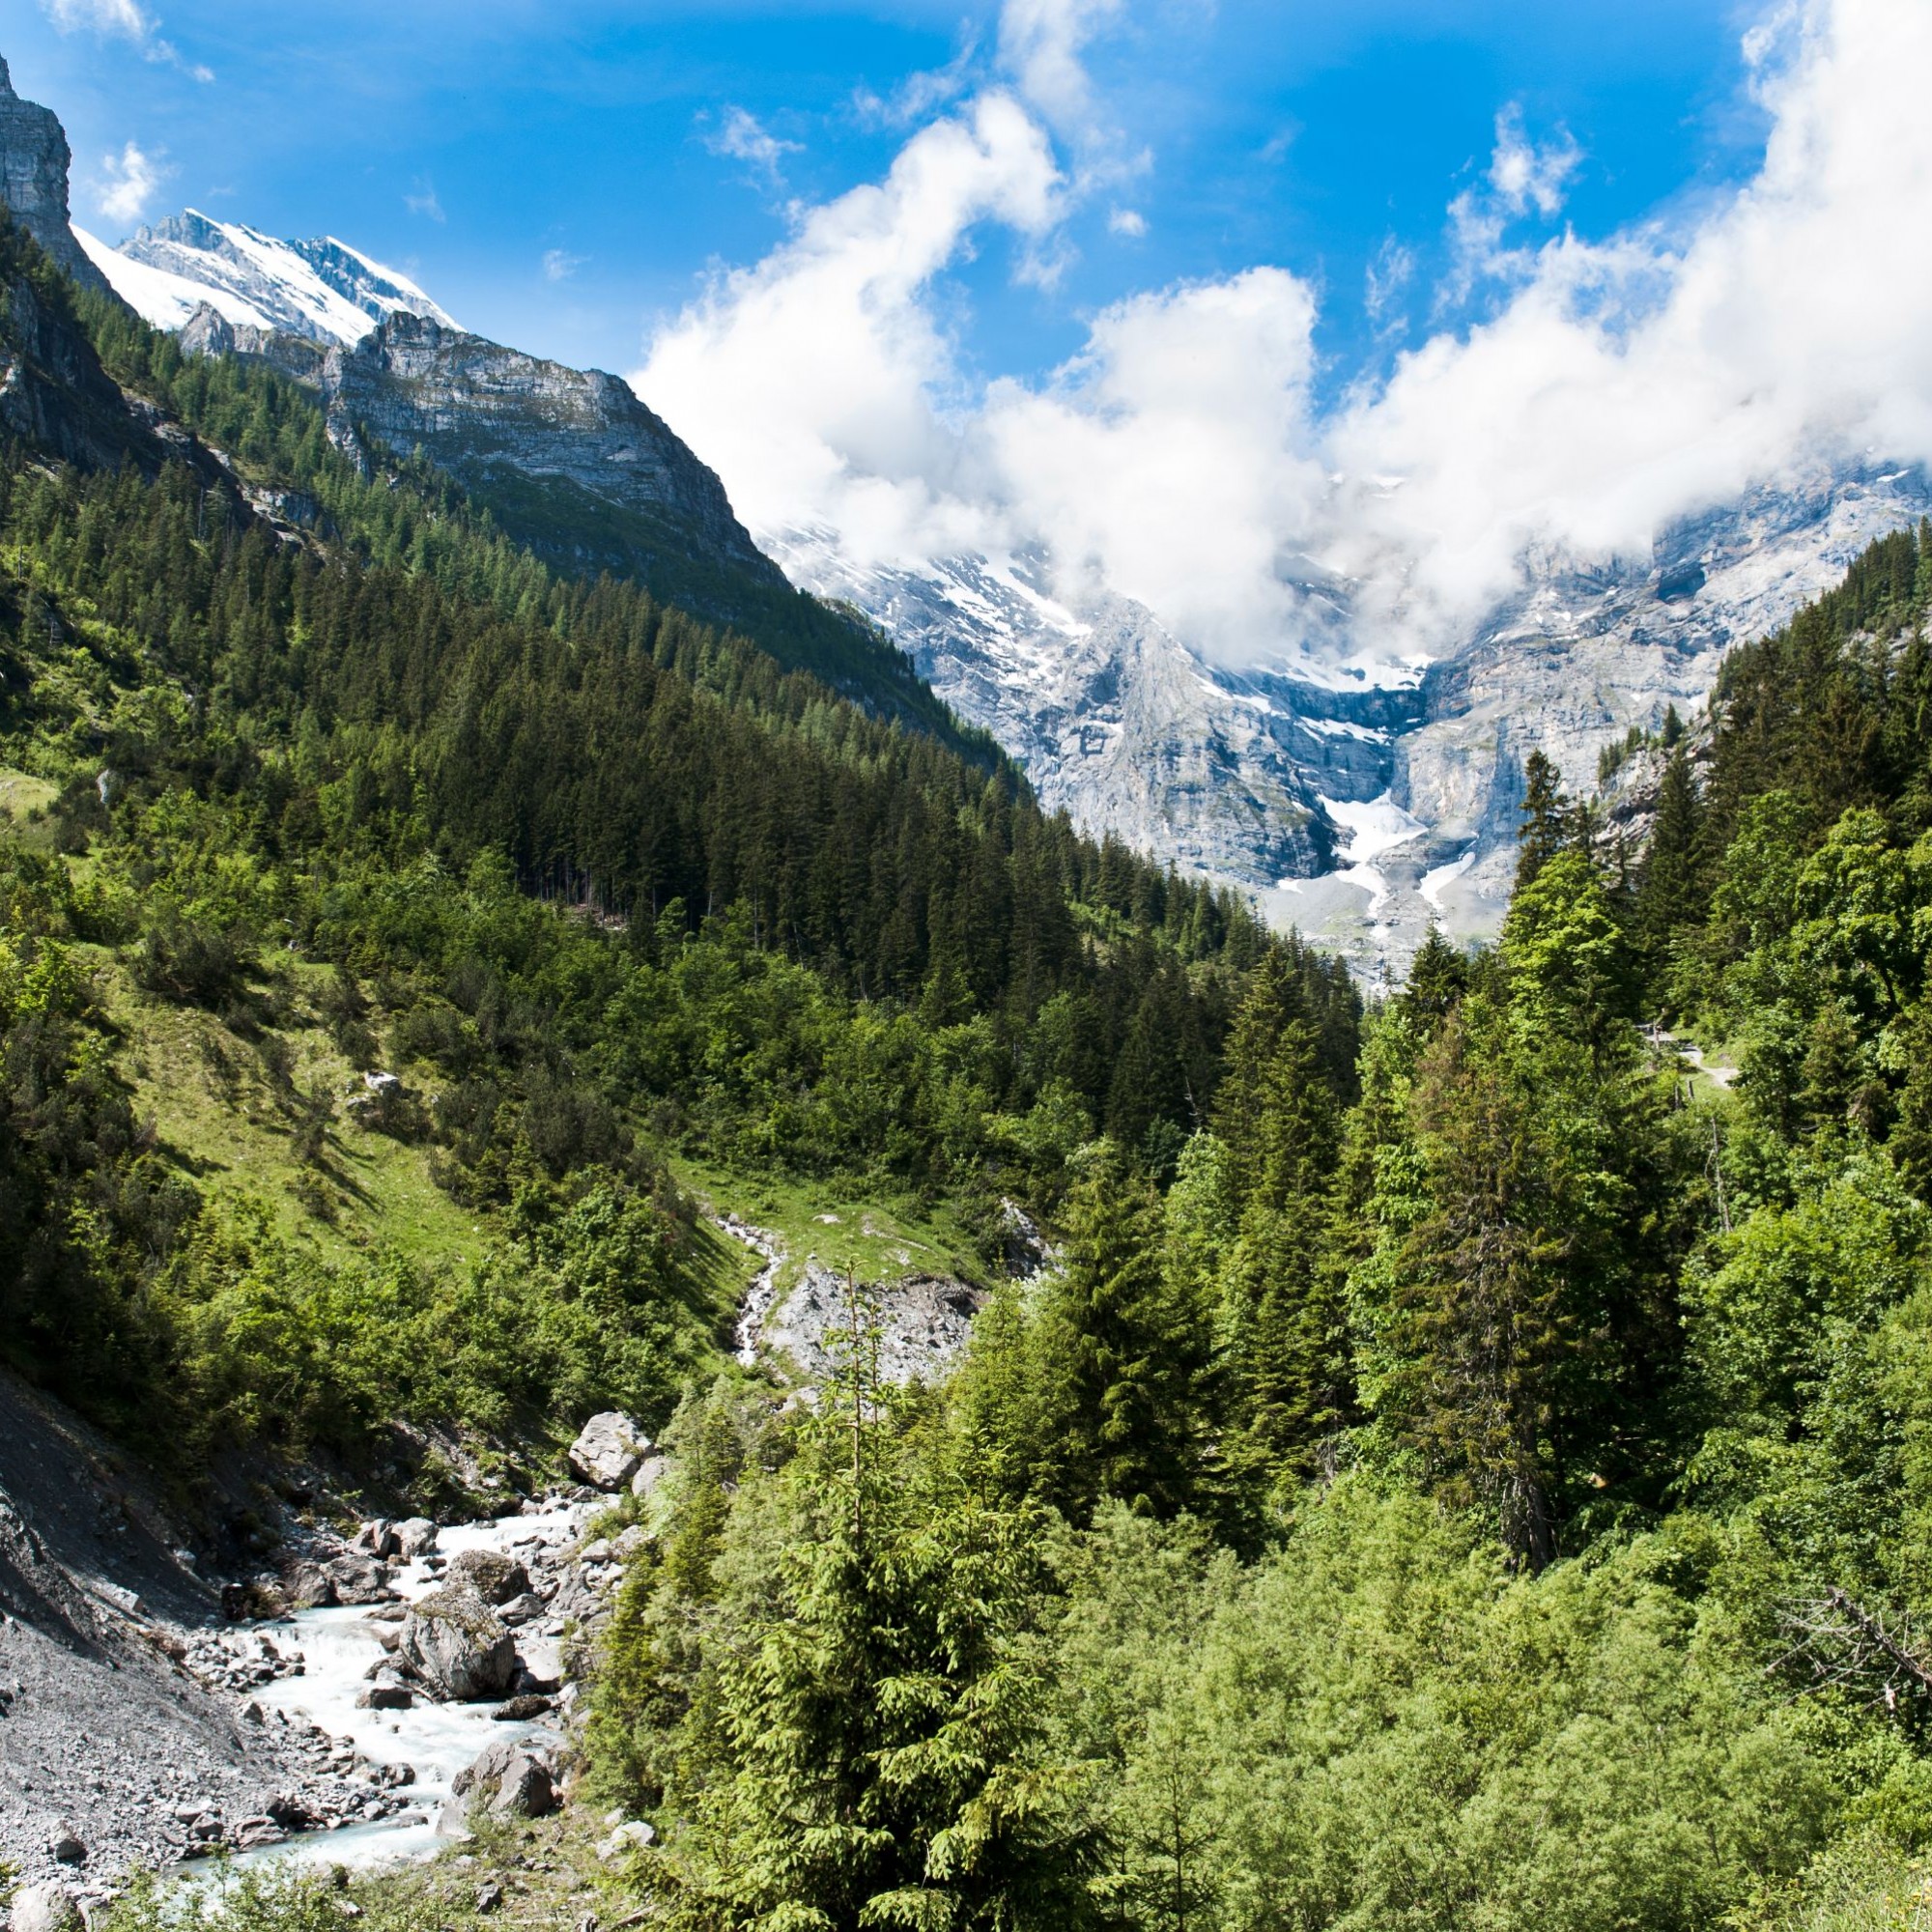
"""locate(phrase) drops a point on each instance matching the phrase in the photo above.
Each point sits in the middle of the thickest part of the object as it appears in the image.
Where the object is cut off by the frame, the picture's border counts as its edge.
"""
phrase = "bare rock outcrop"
(457, 1645)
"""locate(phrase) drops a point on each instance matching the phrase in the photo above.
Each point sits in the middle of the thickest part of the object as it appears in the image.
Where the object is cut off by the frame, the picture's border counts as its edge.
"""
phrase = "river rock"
(379, 1538)
(524, 1790)
(308, 1586)
(608, 1450)
(357, 1578)
(649, 1473)
(485, 1771)
(458, 1645)
(521, 1708)
(415, 1538)
(495, 1577)
(45, 1908)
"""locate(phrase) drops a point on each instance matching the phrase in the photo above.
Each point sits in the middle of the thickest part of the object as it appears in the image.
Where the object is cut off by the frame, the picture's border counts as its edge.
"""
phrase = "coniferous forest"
(1471, 1462)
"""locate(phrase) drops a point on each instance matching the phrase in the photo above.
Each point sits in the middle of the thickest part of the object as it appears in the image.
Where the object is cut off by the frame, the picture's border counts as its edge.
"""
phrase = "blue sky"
(1195, 299)
(472, 144)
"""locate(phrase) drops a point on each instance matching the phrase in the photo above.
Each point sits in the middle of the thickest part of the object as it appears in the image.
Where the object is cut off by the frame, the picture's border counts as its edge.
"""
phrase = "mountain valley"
(702, 1237)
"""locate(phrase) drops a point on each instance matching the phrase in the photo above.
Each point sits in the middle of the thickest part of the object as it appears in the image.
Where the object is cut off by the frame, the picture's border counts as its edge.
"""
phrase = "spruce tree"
(1546, 818)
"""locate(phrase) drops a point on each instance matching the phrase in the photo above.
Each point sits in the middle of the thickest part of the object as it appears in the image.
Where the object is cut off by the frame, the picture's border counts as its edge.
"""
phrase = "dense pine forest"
(1489, 1490)
(1467, 1465)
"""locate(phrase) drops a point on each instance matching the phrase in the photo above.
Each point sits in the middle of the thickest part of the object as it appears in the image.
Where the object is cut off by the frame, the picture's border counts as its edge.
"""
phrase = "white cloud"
(559, 264)
(1162, 461)
(1632, 381)
(1522, 173)
(817, 381)
(1389, 273)
(745, 138)
(423, 199)
(127, 184)
(1040, 46)
(126, 20)
(1129, 222)
(1615, 385)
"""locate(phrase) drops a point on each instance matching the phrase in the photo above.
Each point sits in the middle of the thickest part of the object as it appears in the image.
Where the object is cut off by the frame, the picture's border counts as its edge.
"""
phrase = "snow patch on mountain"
(323, 289)
(160, 295)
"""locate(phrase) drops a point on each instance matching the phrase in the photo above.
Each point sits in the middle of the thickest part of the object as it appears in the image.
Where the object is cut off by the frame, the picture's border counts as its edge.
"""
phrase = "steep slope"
(323, 289)
(1365, 802)
(54, 395)
(572, 467)
(33, 158)
(570, 460)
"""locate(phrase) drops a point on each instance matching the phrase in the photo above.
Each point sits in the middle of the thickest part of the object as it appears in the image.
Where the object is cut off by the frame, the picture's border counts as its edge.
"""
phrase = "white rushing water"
(437, 1741)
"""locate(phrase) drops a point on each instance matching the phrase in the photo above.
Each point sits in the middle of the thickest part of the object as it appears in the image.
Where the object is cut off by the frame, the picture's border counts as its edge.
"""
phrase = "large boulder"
(45, 1908)
(416, 1537)
(485, 1771)
(524, 1790)
(608, 1450)
(357, 1578)
(507, 1781)
(457, 1645)
(495, 1577)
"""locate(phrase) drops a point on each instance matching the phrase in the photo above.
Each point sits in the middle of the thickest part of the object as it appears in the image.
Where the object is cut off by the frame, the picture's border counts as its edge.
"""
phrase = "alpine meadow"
(842, 1222)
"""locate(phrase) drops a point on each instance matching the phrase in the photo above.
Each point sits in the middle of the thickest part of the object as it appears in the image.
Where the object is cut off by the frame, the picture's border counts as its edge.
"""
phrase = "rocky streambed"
(403, 1676)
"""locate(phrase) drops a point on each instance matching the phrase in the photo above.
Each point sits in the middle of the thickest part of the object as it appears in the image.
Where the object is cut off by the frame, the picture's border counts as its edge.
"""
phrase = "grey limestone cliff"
(569, 460)
(494, 416)
(34, 160)
(1113, 719)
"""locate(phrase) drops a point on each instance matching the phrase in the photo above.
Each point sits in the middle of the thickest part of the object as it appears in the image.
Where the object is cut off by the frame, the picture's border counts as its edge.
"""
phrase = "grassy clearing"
(21, 797)
(833, 1223)
(230, 1106)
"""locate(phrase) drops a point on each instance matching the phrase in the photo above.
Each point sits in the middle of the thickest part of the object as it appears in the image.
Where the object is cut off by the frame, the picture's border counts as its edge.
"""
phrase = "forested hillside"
(1469, 1465)
(1490, 1492)
(346, 785)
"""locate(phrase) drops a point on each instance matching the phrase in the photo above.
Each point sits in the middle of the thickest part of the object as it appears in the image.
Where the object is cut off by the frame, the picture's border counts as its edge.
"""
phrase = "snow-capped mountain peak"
(322, 289)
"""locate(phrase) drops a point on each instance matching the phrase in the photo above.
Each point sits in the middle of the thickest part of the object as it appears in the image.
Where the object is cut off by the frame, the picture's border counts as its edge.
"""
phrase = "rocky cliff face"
(1115, 720)
(499, 419)
(1360, 806)
(55, 393)
(34, 162)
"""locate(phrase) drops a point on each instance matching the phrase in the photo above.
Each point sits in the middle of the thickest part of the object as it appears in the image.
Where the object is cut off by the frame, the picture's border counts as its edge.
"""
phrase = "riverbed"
(339, 1647)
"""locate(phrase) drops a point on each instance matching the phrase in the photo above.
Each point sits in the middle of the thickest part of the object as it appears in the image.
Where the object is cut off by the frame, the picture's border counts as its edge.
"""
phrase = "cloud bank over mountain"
(1181, 457)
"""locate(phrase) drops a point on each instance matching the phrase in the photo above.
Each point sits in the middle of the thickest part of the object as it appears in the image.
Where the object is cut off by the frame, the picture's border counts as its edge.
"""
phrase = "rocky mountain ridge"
(322, 290)
(1363, 803)
(1359, 801)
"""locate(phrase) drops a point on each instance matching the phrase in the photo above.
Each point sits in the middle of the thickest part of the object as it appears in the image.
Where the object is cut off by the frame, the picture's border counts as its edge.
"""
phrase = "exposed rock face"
(458, 1645)
(921, 1322)
(492, 416)
(1115, 720)
(105, 1732)
(1364, 808)
(55, 394)
(34, 160)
